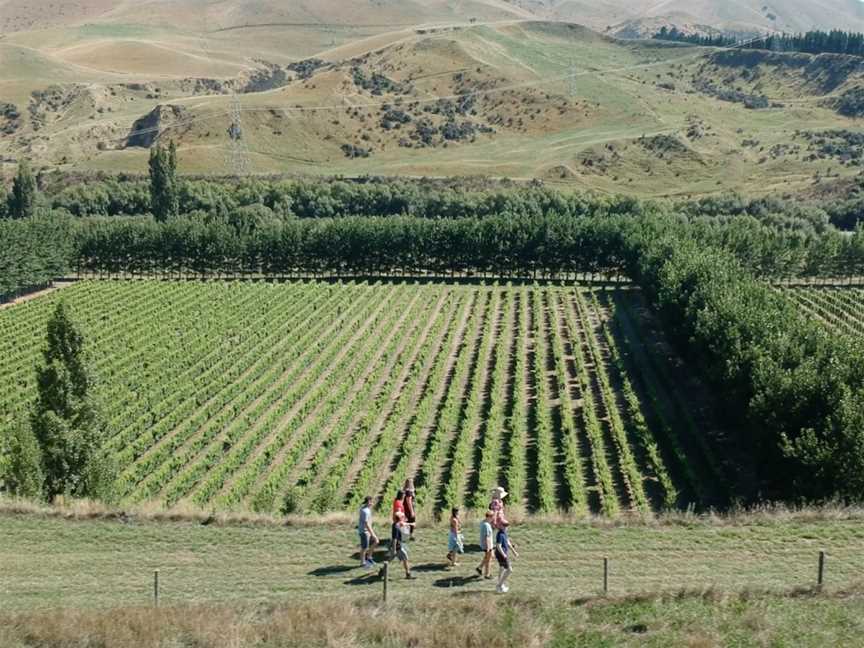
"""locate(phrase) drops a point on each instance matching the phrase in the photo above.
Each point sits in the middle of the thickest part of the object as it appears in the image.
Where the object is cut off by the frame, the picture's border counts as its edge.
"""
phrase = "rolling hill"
(422, 89)
(739, 15)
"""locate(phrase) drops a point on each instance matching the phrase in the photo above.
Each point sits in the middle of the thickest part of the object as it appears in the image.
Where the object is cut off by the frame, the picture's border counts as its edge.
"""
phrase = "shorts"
(456, 543)
(503, 560)
(402, 554)
(365, 541)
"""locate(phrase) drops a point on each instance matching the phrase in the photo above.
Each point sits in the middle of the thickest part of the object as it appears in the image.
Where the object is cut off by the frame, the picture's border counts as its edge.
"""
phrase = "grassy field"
(53, 562)
(303, 397)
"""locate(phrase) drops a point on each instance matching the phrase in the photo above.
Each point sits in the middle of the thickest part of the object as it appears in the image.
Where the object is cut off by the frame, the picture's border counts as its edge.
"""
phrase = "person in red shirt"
(398, 504)
(397, 515)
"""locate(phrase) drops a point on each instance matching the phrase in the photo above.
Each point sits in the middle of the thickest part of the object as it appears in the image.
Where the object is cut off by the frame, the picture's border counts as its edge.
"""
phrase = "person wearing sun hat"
(497, 507)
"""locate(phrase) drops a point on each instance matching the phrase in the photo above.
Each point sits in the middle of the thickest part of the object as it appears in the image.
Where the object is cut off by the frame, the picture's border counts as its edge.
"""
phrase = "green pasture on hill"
(51, 562)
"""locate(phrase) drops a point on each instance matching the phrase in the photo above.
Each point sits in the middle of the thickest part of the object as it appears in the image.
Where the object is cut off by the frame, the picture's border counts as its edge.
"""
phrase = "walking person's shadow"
(332, 570)
(456, 581)
(367, 578)
(429, 567)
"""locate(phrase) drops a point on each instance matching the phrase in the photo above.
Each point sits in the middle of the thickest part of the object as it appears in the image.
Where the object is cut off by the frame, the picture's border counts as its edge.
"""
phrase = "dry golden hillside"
(471, 88)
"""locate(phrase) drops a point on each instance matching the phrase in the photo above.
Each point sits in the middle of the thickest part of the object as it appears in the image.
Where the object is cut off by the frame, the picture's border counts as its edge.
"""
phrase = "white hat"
(499, 492)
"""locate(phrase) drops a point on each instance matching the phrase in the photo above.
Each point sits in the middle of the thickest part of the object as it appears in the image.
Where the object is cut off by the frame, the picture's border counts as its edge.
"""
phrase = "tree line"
(798, 389)
(835, 41)
(531, 240)
(541, 246)
(33, 252)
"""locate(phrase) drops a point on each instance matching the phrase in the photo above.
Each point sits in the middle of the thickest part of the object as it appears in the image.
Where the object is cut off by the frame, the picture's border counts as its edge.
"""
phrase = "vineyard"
(839, 309)
(303, 397)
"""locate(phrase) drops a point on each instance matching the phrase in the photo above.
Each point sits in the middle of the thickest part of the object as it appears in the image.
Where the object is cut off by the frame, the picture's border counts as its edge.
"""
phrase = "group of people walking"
(494, 535)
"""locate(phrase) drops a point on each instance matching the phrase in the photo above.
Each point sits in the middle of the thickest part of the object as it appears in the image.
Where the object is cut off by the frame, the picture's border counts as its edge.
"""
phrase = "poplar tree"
(24, 193)
(65, 419)
(164, 189)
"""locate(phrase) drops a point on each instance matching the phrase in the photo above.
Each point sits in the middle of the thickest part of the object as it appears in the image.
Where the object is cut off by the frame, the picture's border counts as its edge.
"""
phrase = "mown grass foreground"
(50, 562)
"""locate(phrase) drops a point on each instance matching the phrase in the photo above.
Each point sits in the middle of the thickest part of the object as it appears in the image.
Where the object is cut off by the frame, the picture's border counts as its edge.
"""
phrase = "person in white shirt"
(368, 539)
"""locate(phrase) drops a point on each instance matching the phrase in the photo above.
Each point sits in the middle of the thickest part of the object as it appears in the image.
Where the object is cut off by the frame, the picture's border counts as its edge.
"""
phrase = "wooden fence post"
(821, 577)
(605, 575)
(156, 588)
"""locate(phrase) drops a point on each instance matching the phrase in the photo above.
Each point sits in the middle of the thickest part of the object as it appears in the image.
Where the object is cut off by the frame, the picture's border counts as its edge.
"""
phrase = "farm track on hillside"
(308, 396)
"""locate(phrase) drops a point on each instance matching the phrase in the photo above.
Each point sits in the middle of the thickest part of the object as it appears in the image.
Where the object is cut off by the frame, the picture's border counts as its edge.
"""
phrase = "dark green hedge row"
(33, 252)
(797, 388)
(250, 242)
(360, 245)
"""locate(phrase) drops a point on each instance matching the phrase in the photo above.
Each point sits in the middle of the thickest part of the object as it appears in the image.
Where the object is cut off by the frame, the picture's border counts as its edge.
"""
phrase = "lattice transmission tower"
(238, 153)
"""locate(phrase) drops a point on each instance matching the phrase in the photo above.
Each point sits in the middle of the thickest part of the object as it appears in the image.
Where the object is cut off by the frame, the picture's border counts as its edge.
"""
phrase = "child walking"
(402, 534)
(398, 509)
(503, 549)
(456, 543)
(496, 505)
(487, 544)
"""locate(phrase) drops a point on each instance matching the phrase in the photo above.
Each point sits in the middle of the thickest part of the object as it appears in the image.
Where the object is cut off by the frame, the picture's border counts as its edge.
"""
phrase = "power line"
(239, 152)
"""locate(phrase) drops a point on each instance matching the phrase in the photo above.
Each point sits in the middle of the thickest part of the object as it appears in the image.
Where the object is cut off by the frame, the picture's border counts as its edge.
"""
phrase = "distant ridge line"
(325, 25)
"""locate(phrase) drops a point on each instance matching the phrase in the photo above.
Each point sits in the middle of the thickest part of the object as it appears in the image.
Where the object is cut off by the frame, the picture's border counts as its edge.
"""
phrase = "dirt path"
(54, 287)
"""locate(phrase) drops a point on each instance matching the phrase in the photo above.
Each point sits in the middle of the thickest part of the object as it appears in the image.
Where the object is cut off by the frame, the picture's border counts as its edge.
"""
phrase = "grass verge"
(682, 618)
